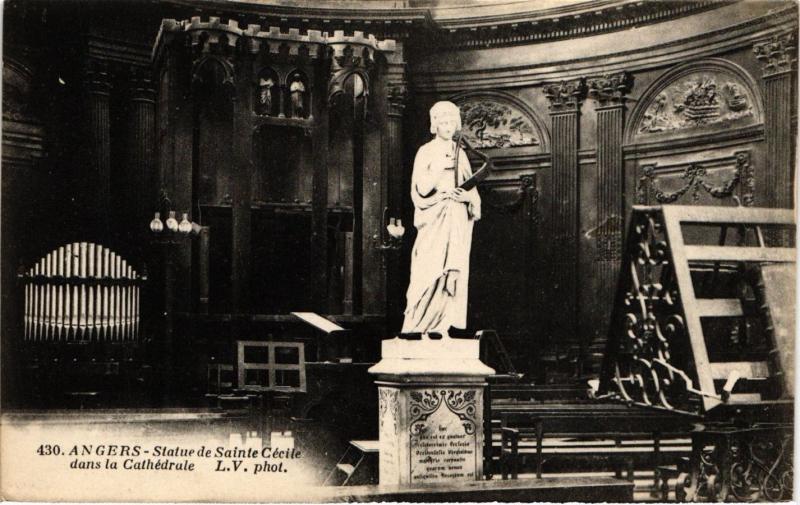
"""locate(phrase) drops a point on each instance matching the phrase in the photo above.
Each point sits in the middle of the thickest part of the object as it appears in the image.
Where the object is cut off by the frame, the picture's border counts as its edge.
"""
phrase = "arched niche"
(298, 95)
(213, 131)
(498, 120)
(696, 98)
(268, 93)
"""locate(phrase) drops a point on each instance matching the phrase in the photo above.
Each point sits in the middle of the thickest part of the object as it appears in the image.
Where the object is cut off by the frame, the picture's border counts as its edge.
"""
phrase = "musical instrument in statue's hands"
(479, 175)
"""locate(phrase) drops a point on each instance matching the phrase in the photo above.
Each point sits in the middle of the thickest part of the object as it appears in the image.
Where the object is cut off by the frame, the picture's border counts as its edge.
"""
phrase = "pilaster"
(608, 92)
(779, 57)
(98, 85)
(565, 98)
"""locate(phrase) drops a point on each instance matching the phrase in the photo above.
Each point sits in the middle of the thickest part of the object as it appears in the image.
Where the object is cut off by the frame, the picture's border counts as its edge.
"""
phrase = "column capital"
(96, 78)
(609, 89)
(397, 96)
(565, 96)
(141, 86)
(778, 54)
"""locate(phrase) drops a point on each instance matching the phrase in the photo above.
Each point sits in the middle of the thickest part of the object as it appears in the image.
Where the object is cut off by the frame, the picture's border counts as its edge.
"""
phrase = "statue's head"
(445, 119)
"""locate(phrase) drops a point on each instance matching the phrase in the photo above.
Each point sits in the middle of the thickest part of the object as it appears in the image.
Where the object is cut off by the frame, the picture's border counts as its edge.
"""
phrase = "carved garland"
(525, 189)
(694, 175)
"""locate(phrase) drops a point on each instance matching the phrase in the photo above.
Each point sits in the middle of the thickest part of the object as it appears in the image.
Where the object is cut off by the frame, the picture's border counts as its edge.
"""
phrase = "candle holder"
(395, 231)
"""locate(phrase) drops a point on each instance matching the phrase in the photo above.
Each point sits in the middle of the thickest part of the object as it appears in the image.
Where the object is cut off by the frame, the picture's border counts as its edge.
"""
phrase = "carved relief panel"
(695, 99)
(497, 120)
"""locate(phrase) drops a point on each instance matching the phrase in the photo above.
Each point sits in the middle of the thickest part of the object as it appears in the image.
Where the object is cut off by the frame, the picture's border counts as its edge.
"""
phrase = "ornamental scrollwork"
(651, 323)
(461, 403)
(387, 404)
(740, 465)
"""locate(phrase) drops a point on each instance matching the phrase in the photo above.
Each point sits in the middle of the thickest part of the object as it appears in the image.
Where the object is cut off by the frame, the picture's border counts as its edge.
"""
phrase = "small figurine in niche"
(297, 90)
(265, 95)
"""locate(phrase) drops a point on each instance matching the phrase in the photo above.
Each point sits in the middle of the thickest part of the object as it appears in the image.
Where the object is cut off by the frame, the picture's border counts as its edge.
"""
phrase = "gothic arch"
(696, 98)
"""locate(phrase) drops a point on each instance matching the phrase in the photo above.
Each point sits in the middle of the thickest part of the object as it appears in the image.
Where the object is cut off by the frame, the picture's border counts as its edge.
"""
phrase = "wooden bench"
(611, 437)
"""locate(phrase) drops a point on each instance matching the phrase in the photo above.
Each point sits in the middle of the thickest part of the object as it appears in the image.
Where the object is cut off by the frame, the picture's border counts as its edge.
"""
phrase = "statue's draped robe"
(444, 239)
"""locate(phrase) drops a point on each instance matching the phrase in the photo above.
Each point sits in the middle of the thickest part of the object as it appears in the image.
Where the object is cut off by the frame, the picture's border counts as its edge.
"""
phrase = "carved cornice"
(609, 89)
(589, 18)
(565, 96)
(778, 55)
(651, 51)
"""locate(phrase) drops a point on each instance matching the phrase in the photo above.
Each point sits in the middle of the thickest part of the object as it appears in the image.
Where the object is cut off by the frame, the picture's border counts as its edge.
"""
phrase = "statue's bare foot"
(425, 336)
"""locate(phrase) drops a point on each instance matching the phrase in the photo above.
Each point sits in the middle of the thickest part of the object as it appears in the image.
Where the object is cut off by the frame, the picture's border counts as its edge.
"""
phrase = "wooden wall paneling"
(501, 258)
(241, 175)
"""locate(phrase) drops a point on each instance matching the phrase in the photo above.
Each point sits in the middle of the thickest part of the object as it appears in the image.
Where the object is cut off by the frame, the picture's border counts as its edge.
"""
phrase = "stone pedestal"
(430, 411)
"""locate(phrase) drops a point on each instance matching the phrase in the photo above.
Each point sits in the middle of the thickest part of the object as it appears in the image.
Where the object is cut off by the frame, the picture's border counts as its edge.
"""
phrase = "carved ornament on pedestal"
(565, 96)
(778, 54)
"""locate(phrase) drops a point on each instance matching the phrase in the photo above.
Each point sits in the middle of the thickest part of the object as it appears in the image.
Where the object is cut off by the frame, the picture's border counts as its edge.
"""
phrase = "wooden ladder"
(357, 466)
(658, 354)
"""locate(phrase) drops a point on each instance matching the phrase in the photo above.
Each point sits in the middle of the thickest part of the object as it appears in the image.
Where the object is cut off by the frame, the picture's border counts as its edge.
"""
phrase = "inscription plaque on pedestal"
(430, 412)
(443, 435)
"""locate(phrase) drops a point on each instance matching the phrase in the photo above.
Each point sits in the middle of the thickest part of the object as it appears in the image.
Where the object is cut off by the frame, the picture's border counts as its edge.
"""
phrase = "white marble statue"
(443, 215)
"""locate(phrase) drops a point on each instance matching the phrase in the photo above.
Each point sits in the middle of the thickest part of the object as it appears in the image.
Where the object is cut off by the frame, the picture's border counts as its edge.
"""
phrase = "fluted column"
(778, 56)
(98, 86)
(608, 93)
(565, 102)
(141, 145)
